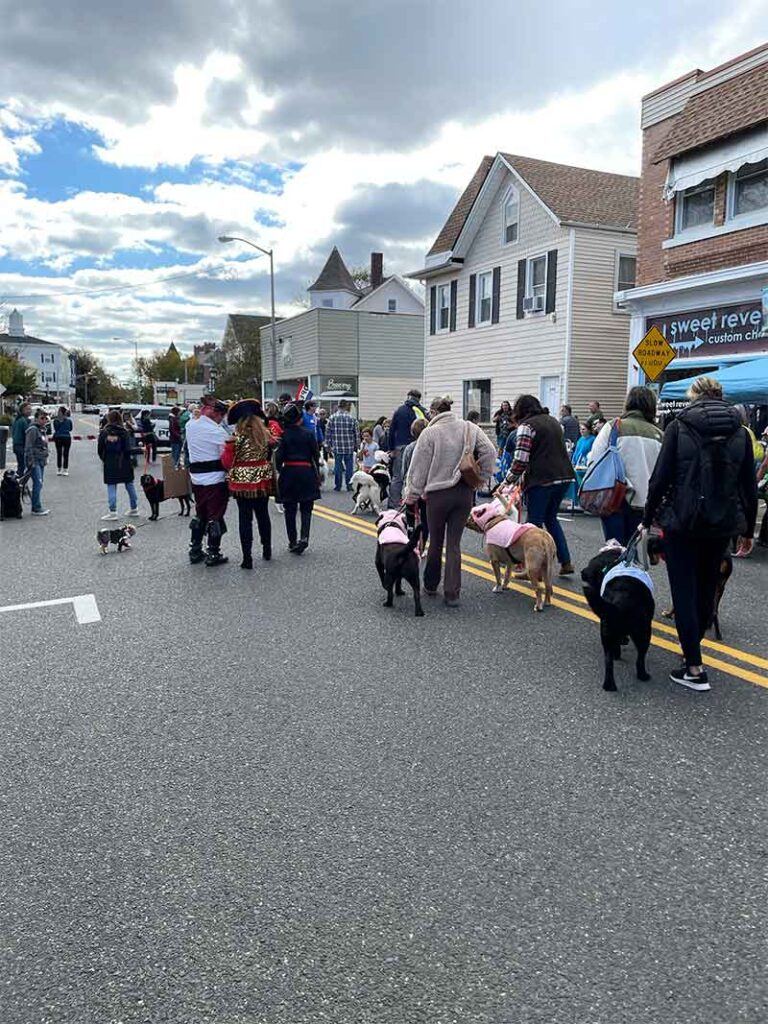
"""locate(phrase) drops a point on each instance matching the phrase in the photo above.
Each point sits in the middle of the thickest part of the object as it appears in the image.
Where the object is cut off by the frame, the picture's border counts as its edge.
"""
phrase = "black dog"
(397, 560)
(154, 491)
(10, 496)
(656, 552)
(625, 609)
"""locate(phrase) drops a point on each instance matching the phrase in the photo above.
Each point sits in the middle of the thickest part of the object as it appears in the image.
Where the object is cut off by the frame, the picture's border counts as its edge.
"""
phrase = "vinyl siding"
(338, 341)
(391, 361)
(514, 354)
(599, 336)
(302, 332)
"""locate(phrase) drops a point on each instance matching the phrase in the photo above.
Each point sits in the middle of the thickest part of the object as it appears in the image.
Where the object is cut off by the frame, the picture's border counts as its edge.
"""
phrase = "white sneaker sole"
(690, 685)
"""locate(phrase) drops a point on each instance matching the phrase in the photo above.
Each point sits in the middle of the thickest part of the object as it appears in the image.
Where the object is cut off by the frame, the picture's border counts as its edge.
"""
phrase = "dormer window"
(511, 215)
(328, 303)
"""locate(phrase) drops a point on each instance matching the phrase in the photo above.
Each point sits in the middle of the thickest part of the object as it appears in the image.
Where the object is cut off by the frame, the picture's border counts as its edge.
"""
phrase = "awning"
(690, 170)
(742, 382)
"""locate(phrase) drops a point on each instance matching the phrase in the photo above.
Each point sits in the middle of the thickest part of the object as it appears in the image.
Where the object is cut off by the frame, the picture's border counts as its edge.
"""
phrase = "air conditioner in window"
(533, 304)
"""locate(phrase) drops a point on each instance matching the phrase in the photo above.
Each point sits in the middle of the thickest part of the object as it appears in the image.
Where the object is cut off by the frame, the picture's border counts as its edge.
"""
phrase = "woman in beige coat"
(434, 475)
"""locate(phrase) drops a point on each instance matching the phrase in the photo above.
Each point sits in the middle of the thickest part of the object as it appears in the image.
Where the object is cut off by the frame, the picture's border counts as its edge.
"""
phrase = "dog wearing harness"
(396, 558)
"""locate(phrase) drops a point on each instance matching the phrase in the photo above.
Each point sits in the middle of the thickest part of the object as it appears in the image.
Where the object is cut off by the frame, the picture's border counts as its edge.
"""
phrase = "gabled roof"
(733, 106)
(334, 276)
(18, 341)
(578, 195)
(246, 328)
(446, 240)
(396, 279)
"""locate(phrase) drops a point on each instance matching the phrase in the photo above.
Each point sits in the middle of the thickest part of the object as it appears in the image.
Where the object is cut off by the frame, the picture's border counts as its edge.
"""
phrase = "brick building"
(702, 267)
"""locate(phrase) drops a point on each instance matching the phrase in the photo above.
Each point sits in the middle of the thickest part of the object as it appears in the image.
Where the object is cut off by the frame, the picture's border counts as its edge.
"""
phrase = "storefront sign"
(346, 385)
(654, 354)
(714, 332)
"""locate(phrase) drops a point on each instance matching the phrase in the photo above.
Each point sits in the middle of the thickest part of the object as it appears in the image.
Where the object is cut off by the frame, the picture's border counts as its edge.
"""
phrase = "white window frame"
(392, 305)
(443, 289)
(705, 186)
(485, 275)
(619, 307)
(758, 216)
(529, 292)
(510, 193)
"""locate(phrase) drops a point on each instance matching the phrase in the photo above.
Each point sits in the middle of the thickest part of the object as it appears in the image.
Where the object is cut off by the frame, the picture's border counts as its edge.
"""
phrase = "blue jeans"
(622, 524)
(112, 495)
(176, 452)
(543, 502)
(345, 461)
(18, 451)
(38, 472)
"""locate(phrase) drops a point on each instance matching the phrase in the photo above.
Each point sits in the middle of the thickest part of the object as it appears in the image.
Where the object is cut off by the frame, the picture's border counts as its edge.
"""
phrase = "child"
(368, 450)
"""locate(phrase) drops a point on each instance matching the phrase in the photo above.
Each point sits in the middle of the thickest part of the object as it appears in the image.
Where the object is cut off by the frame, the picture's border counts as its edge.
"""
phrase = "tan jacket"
(436, 457)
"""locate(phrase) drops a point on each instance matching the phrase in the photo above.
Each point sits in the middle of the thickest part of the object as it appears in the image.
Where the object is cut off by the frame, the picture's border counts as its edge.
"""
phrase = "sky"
(133, 135)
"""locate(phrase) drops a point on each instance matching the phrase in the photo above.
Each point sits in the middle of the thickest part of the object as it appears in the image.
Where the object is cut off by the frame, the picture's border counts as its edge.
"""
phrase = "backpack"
(707, 502)
(604, 486)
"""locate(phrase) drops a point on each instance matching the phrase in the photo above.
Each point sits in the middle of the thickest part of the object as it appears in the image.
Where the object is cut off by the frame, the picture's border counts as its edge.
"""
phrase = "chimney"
(377, 269)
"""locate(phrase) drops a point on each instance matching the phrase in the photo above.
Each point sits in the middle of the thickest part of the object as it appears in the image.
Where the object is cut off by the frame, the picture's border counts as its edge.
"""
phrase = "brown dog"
(507, 544)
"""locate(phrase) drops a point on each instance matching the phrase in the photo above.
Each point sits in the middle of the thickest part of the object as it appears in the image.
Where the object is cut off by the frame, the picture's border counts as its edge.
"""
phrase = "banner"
(717, 331)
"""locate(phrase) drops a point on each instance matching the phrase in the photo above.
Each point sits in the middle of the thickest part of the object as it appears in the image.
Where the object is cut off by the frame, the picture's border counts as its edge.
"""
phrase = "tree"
(15, 375)
(238, 367)
(94, 384)
(361, 276)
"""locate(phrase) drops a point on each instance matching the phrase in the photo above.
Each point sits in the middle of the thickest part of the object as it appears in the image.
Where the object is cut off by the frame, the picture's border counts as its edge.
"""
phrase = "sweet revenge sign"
(714, 332)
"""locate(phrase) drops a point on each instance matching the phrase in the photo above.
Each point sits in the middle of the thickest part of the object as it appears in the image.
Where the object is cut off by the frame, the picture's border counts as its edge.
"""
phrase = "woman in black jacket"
(114, 448)
(298, 464)
(702, 493)
(148, 436)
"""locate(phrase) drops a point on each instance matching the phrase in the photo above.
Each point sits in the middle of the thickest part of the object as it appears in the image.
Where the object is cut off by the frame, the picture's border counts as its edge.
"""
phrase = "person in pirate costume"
(298, 464)
(205, 442)
(248, 458)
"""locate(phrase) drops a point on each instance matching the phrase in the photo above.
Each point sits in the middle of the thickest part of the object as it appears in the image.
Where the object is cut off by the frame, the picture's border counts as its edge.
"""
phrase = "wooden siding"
(514, 354)
(599, 336)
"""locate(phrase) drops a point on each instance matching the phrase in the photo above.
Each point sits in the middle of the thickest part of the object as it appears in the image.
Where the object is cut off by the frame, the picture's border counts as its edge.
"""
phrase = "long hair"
(525, 406)
(254, 428)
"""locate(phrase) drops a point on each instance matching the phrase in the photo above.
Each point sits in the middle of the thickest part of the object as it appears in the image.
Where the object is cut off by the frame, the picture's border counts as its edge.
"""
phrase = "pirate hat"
(245, 407)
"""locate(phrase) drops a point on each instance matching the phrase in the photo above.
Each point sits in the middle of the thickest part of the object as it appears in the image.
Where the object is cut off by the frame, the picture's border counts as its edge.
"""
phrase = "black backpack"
(708, 502)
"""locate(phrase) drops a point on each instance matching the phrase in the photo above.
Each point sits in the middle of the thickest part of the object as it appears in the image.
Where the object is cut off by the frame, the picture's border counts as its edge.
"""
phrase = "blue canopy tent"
(742, 382)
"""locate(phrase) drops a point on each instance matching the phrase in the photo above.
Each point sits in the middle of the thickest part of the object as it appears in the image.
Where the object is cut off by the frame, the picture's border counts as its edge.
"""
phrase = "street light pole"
(273, 338)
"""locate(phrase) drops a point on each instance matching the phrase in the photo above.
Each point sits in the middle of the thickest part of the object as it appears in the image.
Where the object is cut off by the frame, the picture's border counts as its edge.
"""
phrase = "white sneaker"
(65, 472)
(110, 515)
(41, 512)
(132, 512)
(58, 472)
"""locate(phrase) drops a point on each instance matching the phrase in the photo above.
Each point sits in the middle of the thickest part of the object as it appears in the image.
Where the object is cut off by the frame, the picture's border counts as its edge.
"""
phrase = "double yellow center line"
(575, 603)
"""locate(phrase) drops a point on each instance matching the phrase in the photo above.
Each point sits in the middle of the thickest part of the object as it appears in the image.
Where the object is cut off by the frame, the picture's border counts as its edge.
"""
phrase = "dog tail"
(413, 540)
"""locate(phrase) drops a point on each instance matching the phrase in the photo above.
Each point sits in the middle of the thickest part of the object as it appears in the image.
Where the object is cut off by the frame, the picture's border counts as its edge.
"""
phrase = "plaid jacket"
(342, 434)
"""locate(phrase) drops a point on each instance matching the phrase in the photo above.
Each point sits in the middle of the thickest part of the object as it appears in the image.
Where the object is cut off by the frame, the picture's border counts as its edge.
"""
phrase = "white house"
(52, 362)
(365, 344)
(521, 284)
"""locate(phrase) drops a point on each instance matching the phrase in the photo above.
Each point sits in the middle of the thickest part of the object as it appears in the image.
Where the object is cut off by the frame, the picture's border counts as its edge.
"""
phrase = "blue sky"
(120, 166)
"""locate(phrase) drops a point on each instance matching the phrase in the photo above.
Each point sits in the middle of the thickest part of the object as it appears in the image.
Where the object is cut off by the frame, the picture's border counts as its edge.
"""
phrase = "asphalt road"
(262, 797)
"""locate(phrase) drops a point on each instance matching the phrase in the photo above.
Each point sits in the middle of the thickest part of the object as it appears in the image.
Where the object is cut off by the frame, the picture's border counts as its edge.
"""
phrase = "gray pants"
(396, 484)
(447, 513)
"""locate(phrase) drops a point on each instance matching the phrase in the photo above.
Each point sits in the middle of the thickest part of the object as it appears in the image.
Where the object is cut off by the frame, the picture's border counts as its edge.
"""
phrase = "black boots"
(214, 556)
(196, 531)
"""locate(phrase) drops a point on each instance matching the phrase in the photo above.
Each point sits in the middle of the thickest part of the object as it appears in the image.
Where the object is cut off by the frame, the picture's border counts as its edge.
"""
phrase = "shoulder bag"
(469, 467)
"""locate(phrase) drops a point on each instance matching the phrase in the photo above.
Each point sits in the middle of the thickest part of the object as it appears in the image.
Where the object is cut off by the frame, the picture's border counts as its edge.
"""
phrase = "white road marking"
(86, 609)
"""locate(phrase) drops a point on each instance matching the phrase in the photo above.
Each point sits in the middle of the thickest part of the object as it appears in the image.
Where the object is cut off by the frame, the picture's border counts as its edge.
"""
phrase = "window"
(536, 279)
(443, 307)
(696, 206)
(477, 396)
(625, 274)
(750, 189)
(391, 305)
(328, 303)
(484, 297)
(42, 359)
(511, 216)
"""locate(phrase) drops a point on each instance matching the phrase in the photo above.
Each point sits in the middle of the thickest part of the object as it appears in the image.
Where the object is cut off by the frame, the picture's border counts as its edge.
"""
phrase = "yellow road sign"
(654, 354)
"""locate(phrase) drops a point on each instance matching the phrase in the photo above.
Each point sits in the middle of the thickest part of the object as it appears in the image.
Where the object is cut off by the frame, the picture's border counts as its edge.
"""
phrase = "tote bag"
(604, 486)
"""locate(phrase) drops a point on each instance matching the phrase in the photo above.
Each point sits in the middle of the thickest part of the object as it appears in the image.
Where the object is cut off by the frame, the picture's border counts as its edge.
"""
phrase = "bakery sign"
(339, 385)
(713, 332)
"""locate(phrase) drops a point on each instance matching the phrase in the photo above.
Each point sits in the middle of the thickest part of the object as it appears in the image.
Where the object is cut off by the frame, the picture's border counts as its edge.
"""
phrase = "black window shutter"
(454, 287)
(496, 293)
(432, 308)
(472, 287)
(551, 280)
(521, 268)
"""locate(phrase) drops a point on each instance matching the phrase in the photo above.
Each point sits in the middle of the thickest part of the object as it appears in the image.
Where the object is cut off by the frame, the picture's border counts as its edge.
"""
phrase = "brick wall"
(657, 224)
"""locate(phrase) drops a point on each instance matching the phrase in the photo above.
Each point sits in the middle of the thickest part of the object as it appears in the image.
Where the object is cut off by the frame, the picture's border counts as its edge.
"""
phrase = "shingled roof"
(733, 106)
(334, 276)
(446, 240)
(579, 195)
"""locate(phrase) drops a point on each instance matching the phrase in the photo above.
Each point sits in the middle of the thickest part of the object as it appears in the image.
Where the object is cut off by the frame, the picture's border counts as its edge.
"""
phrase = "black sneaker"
(689, 680)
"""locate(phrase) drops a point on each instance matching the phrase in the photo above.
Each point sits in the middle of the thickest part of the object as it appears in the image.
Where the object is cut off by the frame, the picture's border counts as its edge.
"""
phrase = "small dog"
(365, 493)
(396, 558)
(656, 553)
(120, 536)
(154, 491)
(10, 496)
(625, 606)
(382, 476)
(322, 468)
(508, 543)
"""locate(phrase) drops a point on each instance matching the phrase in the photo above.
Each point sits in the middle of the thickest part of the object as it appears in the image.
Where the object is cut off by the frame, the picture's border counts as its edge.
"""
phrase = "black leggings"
(693, 567)
(247, 508)
(63, 444)
(290, 519)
